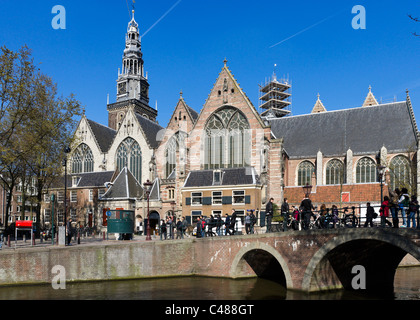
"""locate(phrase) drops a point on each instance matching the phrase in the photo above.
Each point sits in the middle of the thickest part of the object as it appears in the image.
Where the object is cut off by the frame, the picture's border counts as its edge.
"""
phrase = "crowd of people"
(306, 216)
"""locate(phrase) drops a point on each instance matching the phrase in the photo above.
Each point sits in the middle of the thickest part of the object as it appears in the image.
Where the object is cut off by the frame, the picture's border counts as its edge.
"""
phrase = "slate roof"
(150, 129)
(231, 176)
(364, 130)
(91, 179)
(125, 186)
(103, 135)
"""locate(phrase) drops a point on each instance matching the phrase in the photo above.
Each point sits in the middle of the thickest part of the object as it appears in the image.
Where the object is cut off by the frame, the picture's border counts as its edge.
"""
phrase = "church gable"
(227, 92)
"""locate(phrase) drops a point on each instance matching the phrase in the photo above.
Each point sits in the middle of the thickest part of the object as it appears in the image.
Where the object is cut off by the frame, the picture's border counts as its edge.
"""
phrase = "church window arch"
(129, 155)
(400, 172)
(334, 172)
(366, 171)
(82, 159)
(304, 173)
(227, 140)
(174, 144)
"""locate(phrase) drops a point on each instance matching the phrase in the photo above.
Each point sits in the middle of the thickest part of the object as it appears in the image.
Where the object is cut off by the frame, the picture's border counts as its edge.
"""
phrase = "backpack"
(406, 201)
(412, 207)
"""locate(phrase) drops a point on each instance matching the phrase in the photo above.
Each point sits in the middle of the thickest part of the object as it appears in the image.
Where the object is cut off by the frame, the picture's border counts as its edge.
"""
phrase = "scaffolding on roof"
(275, 97)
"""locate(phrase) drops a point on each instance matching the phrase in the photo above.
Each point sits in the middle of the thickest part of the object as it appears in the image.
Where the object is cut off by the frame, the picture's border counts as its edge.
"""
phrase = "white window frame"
(233, 197)
(218, 198)
(73, 196)
(196, 196)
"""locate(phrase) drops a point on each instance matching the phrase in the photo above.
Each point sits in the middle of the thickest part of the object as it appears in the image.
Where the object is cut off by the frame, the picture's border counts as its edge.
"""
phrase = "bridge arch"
(377, 250)
(264, 260)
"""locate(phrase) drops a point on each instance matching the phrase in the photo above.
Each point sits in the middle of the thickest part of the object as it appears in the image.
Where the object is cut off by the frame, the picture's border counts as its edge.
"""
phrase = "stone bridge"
(312, 260)
(300, 260)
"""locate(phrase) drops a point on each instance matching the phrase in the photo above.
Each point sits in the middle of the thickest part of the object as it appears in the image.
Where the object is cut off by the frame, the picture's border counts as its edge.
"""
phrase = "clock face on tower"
(122, 88)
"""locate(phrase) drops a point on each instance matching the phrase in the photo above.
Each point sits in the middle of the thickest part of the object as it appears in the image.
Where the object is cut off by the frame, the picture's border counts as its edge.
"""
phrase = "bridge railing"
(355, 217)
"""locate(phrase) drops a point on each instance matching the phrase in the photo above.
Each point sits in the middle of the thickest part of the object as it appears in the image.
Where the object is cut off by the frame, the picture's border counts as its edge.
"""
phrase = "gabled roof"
(89, 179)
(103, 135)
(124, 187)
(370, 99)
(150, 130)
(319, 106)
(229, 177)
(364, 130)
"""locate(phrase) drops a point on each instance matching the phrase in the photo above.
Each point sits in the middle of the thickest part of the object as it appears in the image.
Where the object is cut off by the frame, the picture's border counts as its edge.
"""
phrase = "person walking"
(385, 212)
(227, 225)
(413, 207)
(370, 215)
(184, 224)
(69, 231)
(269, 213)
(285, 213)
(219, 224)
(247, 223)
(404, 201)
(306, 208)
(393, 206)
(253, 221)
(162, 230)
(198, 233)
(233, 221)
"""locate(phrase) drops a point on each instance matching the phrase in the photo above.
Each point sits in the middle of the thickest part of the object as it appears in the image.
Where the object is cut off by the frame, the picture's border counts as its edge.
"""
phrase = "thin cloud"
(160, 19)
(306, 29)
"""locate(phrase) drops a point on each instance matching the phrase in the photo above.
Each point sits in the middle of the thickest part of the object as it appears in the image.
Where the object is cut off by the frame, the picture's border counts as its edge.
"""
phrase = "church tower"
(132, 84)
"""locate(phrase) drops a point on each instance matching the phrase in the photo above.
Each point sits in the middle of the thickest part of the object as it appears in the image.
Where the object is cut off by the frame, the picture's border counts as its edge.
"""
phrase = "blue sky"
(185, 50)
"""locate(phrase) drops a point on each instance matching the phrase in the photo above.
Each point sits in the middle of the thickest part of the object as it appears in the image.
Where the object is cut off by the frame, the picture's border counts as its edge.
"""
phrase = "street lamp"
(147, 186)
(67, 150)
(307, 190)
(381, 171)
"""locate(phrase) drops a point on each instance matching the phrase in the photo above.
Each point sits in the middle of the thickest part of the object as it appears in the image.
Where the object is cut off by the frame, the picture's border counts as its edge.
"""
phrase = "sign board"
(62, 236)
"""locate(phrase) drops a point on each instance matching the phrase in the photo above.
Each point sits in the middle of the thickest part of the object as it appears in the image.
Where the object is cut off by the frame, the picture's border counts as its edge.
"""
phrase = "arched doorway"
(154, 222)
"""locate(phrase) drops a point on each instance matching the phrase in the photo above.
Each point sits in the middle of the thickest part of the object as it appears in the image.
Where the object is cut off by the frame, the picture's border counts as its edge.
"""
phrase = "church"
(232, 154)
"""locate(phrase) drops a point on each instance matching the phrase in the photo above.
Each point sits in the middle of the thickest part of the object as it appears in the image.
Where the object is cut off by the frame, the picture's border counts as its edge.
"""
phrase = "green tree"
(36, 124)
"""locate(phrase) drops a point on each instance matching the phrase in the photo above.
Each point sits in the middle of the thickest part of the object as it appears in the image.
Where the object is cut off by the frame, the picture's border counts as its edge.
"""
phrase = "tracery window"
(82, 159)
(227, 140)
(335, 172)
(174, 144)
(129, 155)
(400, 172)
(366, 171)
(305, 171)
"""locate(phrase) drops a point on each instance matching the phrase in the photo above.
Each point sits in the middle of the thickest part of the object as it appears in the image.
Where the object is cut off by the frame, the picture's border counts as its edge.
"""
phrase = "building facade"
(231, 155)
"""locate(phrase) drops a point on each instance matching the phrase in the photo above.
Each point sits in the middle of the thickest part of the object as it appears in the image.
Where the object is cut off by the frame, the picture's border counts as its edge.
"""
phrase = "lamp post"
(67, 150)
(307, 190)
(381, 170)
(147, 187)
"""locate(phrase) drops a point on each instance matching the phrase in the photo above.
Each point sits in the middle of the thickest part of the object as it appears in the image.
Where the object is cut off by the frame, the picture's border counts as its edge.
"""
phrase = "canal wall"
(124, 260)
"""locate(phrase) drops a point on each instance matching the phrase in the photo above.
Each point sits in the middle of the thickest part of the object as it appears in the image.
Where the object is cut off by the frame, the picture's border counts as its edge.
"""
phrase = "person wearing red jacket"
(384, 211)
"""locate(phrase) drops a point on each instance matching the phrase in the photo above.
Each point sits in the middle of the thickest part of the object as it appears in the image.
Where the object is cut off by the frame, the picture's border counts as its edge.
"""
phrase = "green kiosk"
(121, 222)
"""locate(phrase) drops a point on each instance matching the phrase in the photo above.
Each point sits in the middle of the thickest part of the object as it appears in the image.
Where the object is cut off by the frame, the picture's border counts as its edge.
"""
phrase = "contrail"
(306, 29)
(164, 15)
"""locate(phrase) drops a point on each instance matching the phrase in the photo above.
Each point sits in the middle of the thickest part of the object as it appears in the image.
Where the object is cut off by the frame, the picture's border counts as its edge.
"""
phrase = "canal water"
(406, 287)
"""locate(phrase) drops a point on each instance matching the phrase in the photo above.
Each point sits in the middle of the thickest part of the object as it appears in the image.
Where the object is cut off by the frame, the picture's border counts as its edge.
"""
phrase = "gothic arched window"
(335, 172)
(366, 171)
(174, 144)
(400, 172)
(129, 155)
(305, 172)
(227, 140)
(82, 159)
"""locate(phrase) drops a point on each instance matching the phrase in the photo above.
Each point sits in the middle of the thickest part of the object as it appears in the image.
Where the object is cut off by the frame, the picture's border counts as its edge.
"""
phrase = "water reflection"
(407, 285)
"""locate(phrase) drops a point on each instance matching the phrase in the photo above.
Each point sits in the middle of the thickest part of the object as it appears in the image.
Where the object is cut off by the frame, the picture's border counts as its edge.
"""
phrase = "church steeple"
(132, 83)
